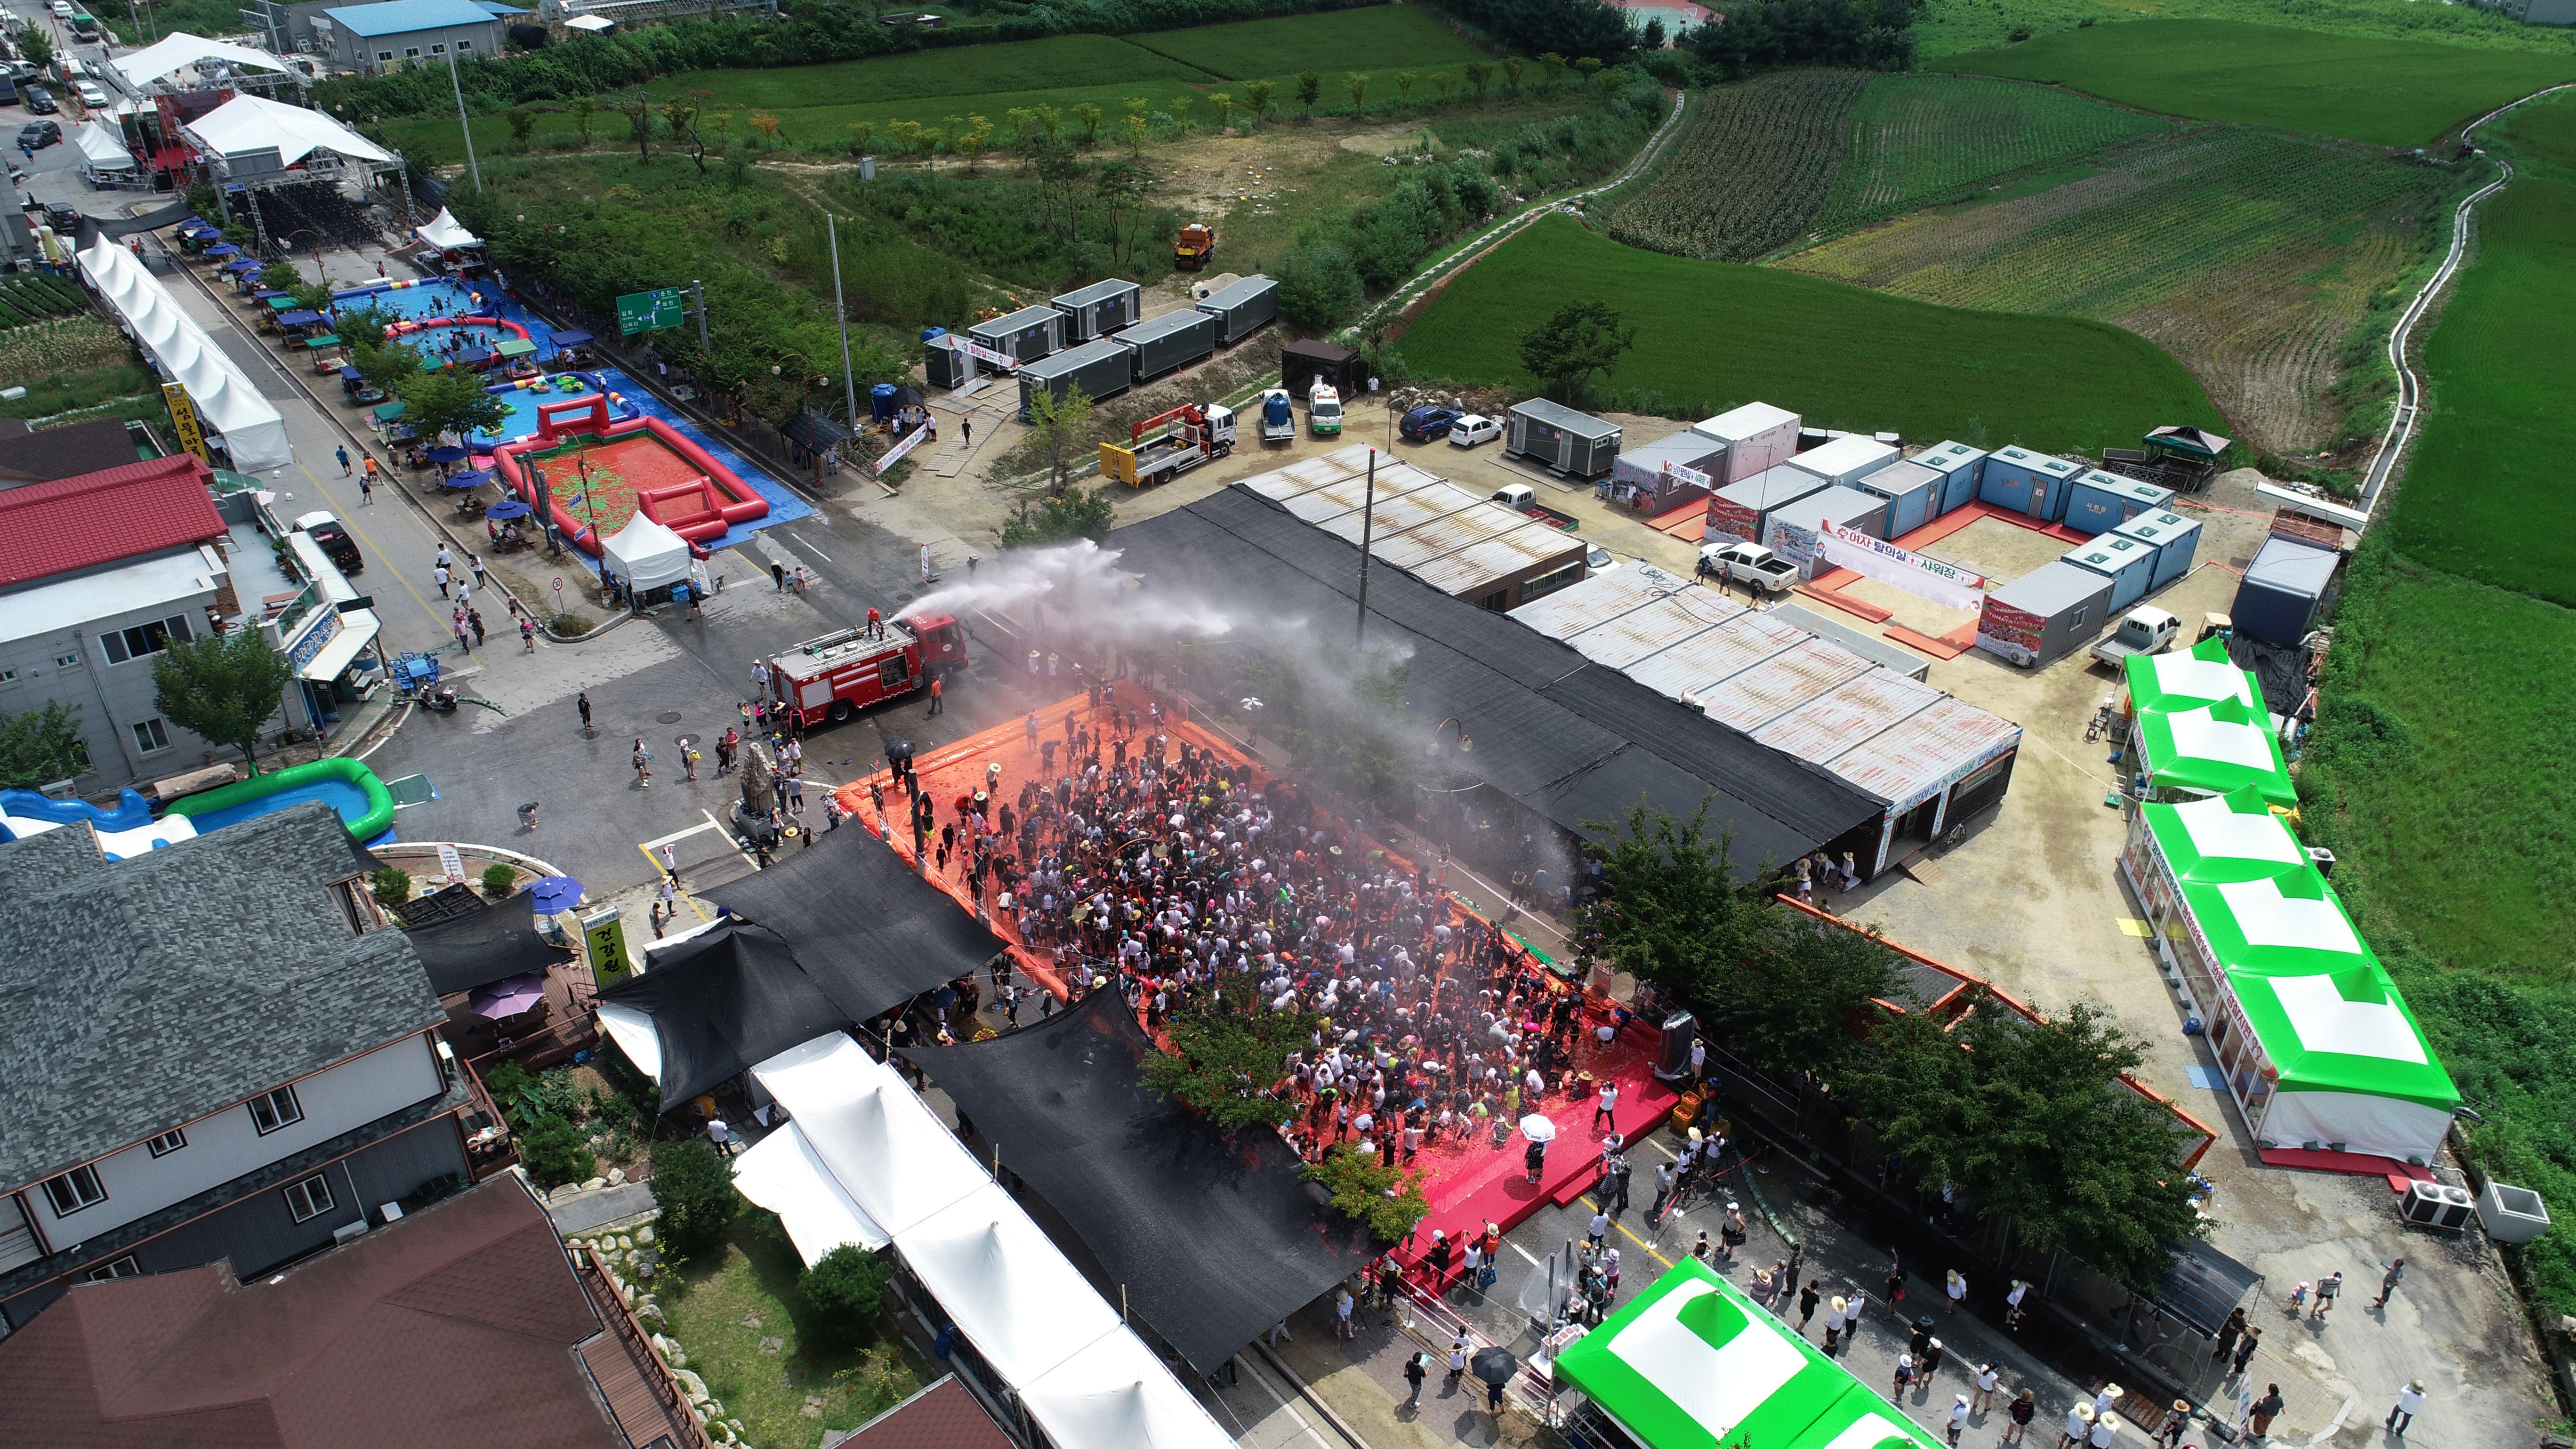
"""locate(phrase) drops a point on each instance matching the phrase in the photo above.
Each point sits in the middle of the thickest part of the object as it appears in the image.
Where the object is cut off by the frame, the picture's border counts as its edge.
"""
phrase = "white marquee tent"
(102, 152)
(227, 403)
(646, 555)
(445, 232)
(180, 51)
(250, 123)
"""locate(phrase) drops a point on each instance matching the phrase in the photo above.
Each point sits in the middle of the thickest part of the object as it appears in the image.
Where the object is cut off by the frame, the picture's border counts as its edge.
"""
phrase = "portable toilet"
(1960, 467)
(2282, 587)
(2044, 614)
(2127, 563)
(2097, 502)
(1739, 510)
(1910, 490)
(2175, 539)
(941, 365)
(2021, 481)
(1796, 532)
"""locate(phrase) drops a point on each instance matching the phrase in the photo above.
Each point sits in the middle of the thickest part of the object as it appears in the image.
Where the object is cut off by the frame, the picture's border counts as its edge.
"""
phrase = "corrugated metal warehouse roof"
(1780, 684)
(1911, 761)
(1603, 596)
(1700, 663)
(1333, 500)
(1392, 515)
(1829, 725)
(1472, 570)
(1308, 474)
(1446, 535)
(1656, 626)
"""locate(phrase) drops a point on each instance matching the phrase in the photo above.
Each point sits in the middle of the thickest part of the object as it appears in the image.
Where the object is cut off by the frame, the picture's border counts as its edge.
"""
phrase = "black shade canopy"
(723, 1001)
(492, 942)
(871, 933)
(1214, 1238)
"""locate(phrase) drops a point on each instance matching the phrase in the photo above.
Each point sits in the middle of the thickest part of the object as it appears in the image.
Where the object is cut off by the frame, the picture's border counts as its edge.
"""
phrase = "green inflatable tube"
(227, 801)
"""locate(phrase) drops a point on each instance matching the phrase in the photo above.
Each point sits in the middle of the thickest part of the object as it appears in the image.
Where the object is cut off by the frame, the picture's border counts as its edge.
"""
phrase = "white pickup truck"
(1750, 564)
(2147, 630)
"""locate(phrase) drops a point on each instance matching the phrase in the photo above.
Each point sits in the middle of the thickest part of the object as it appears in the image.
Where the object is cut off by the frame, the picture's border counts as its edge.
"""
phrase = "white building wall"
(111, 697)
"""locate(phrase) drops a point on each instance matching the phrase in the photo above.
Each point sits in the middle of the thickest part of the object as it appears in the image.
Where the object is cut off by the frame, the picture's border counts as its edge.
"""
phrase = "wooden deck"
(640, 1391)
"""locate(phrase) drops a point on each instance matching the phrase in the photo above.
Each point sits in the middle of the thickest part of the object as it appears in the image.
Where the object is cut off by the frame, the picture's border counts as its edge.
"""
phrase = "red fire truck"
(845, 671)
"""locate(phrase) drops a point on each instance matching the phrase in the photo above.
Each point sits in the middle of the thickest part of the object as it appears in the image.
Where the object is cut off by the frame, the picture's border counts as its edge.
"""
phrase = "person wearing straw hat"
(2410, 1399)
(2105, 1429)
(1834, 1324)
(2079, 1427)
(2177, 1423)
(2108, 1399)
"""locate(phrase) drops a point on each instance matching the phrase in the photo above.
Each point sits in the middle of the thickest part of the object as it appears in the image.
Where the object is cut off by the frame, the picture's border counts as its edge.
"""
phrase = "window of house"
(151, 734)
(411, 52)
(308, 1199)
(277, 1109)
(168, 1142)
(8, 676)
(438, 49)
(74, 1190)
(144, 640)
(124, 1267)
(67, 661)
(385, 56)
(465, 45)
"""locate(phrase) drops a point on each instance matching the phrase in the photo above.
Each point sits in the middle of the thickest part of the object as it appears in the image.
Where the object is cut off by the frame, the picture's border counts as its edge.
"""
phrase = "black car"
(62, 216)
(39, 102)
(37, 135)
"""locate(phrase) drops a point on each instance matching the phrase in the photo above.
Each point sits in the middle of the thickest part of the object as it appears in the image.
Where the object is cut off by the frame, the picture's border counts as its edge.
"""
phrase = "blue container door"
(1957, 489)
(2006, 486)
(2131, 584)
(1906, 514)
(2174, 555)
(2090, 510)
(2048, 496)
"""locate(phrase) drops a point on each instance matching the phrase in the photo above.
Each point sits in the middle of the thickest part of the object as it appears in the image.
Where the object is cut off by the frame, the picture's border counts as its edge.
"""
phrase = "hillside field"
(1753, 162)
(1332, 42)
(1711, 335)
(2386, 92)
(1953, 27)
(1920, 139)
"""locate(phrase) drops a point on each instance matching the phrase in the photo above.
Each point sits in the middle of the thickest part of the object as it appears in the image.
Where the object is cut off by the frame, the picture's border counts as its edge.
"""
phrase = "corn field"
(1750, 173)
(56, 349)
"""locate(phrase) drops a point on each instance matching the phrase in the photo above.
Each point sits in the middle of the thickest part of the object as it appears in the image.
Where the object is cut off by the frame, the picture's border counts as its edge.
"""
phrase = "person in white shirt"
(2410, 1399)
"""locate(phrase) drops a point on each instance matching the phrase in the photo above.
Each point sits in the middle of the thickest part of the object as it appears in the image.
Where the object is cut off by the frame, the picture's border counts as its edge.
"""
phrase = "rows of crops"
(1331, 41)
(1920, 139)
(32, 299)
(2248, 254)
(1748, 172)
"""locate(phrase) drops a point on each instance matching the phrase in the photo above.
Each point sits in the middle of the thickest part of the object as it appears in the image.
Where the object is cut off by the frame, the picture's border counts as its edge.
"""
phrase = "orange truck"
(1197, 243)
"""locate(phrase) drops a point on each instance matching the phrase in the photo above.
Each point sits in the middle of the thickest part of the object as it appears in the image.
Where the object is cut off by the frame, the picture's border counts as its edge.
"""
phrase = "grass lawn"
(1331, 42)
(2387, 92)
(1711, 335)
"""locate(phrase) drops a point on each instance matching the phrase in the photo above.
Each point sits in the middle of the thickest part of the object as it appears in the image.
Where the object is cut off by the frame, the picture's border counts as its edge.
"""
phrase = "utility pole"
(1368, 529)
(840, 309)
(462, 124)
(698, 290)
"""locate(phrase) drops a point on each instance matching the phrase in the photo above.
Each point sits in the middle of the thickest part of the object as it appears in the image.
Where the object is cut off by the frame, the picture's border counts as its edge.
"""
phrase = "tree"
(1564, 352)
(37, 46)
(1441, 81)
(1388, 1199)
(40, 746)
(1310, 89)
(1087, 116)
(1789, 1000)
(680, 115)
(861, 132)
(637, 108)
(384, 361)
(972, 140)
(1356, 86)
(1319, 285)
(1513, 68)
(555, 1151)
(905, 134)
(1223, 101)
(693, 1186)
(223, 687)
(1257, 94)
(846, 1289)
(1062, 518)
(523, 124)
(390, 885)
(1480, 77)
(1063, 426)
(1670, 911)
(583, 109)
(1135, 134)
(766, 126)
(449, 401)
(1182, 106)
(280, 277)
(1226, 1064)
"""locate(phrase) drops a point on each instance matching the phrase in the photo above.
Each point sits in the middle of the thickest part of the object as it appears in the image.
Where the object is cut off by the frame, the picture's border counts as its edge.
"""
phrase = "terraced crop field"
(1332, 41)
(1917, 140)
(2249, 255)
(1753, 165)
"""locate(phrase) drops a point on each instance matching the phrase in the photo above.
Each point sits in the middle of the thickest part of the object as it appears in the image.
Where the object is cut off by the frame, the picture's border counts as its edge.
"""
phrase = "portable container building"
(1740, 509)
(1642, 468)
(2097, 502)
(1846, 459)
(1242, 308)
(1100, 309)
(1160, 344)
(1028, 334)
(2174, 538)
(1300, 363)
(2026, 482)
(1960, 466)
(1793, 532)
(1910, 490)
(942, 365)
(1099, 368)
(2281, 590)
(2044, 613)
(1757, 436)
(2127, 563)
(1576, 444)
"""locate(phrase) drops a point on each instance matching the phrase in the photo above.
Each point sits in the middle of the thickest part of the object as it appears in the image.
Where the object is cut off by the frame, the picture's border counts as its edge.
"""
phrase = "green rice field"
(1711, 335)
(2361, 88)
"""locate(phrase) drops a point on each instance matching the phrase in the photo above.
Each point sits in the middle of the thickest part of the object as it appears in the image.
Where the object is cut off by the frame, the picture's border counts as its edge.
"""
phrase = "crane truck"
(834, 676)
(1191, 434)
(1278, 419)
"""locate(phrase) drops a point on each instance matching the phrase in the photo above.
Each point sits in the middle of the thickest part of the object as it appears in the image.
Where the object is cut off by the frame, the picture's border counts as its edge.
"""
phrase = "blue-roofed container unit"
(2127, 563)
(2282, 588)
(1642, 469)
(1910, 490)
(2098, 502)
(2022, 481)
(1960, 467)
(398, 34)
(2174, 538)
(1794, 532)
(1740, 510)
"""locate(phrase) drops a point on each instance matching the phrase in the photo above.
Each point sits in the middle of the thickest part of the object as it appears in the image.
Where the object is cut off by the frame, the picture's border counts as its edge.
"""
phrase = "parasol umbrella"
(898, 749)
(505, 999)
(505, 510)
(554, 894)
(467, 478)
(1494, 1365)
(1538, 1128)
(445, 453)
(223, 249)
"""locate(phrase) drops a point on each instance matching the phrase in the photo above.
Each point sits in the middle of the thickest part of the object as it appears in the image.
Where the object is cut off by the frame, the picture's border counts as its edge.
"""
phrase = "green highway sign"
(650, 311)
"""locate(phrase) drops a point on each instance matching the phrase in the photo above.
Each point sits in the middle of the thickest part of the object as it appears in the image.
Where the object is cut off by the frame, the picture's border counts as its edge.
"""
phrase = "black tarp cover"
(1214, 1239)
(491, 943)
(723, 1001)
(869, 931)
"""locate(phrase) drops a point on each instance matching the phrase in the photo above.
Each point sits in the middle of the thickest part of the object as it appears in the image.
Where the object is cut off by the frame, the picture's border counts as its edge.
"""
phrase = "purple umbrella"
(505, 999)
(555, 893)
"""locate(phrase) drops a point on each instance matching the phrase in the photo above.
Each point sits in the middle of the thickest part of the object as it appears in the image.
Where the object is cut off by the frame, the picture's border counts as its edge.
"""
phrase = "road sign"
(650, 311)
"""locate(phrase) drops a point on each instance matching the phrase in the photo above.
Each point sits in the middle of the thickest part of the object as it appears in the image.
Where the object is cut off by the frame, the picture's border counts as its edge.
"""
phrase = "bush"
(693, 1186)
(846, 1290)
(1080, 513)
(555, 1151)
(390, 886)
(499, 881)
(1388, 1199)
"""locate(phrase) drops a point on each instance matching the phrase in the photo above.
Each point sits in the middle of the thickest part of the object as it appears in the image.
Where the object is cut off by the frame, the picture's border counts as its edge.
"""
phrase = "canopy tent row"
(863, 1160)
(2200, 727)
(2317, 1044)
(226, 402)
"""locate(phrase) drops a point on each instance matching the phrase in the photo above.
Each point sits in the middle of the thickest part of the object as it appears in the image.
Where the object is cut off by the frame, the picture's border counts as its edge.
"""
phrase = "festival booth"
(1692, 1363)
(2188, 679)
(249, 426)
(645, 556)
(2210, 749)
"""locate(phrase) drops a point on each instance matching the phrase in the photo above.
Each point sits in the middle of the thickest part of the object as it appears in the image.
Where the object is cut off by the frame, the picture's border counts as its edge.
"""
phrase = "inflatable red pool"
(415, 324)
(601, 473)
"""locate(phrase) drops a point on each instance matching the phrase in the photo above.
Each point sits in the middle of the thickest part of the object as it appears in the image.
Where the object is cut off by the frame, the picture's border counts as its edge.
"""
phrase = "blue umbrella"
(445, 453)
(506, 509)
(555, 893)
(223, 249)
(466, 479)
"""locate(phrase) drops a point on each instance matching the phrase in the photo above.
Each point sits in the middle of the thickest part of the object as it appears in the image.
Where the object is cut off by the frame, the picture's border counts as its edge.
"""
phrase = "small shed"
(2127, 563)
(1846, 459)
(1028, 334)
(1794, 532)
(1576, 444)
(1960, 467)
(2282, 588)
(1757, 436)
(2044, 614)
(1300, 363)
(1910, 490)
(1174, 340)
(2097, 502)
(2022, 481)
(1242, 309)
(1100, 309)
(1100, 368)
(1643, 468)
(1740, 509)
(2174, 538)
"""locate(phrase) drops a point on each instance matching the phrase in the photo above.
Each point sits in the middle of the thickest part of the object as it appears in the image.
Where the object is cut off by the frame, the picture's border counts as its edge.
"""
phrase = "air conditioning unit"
(347, 1231)
(2437, 1205)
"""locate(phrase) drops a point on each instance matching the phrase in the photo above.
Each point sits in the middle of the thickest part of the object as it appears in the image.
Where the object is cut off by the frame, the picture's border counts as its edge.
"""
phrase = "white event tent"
(227, 404)
(103, 153)
(445, 232)
(251, 123)
(180, 51)
(646, 555)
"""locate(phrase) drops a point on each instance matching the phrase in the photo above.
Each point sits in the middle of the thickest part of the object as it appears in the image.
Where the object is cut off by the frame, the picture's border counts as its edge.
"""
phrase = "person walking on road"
(367, 485)
(527, 635)
(938, 703)
(2177, 1423)
(643, 762)
(1416, 1369)
(440, 573)
(778, 575)
(2388, 1281)
(1834, 1312)
(474, 617)
(2327, 1287)
(2023, 1409)
(474, 561)
(1958, 1289)
(2245, 1351)
(2410, 1399)
(343, 453)
(1807, 1300)
(1958, 1420)
(581, 702)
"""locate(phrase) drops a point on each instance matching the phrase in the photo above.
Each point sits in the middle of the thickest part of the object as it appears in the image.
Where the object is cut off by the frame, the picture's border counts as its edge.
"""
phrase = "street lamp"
(288, 243)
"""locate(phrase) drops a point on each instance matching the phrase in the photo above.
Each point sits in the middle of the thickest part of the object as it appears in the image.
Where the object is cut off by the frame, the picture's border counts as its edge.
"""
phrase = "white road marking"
(818, 553)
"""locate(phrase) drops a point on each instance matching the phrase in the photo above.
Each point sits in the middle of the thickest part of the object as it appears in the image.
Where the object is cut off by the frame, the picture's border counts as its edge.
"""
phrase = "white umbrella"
(1538, 1128)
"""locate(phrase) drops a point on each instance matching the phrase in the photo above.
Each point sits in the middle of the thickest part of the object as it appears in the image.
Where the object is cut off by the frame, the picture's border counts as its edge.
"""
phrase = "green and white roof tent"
(2290, 924)
(2196, 676)
(2223, 838)
(1691, 1363)
(2344, 1062)
(2212, 749)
